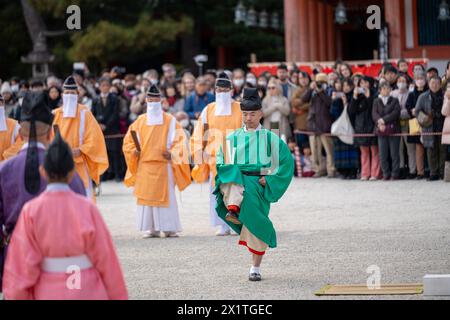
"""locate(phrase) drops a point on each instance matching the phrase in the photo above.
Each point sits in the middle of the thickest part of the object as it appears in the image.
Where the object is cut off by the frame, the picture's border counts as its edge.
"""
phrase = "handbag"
(414, 127)
(343, 128)
(388, 131)
(425, 120)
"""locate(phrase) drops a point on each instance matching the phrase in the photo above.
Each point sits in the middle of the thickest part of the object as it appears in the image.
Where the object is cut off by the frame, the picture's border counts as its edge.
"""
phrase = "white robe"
(159, 218)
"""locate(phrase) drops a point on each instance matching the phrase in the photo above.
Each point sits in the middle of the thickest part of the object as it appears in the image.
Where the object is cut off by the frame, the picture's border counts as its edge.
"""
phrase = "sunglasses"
(271, 88)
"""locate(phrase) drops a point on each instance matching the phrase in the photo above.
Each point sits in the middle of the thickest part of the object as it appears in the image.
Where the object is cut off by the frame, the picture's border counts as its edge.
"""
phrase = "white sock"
(255, 270)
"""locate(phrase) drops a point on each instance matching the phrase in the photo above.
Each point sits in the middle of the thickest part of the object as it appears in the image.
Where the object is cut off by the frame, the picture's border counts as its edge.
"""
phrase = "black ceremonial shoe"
(233, 218)
(254, 277)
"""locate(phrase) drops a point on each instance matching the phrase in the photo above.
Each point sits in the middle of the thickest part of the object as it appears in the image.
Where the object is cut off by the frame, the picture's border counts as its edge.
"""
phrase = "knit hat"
(6, 88)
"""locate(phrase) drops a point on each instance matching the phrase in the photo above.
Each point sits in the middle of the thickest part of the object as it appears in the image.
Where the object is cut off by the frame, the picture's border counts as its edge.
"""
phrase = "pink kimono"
(62, 249)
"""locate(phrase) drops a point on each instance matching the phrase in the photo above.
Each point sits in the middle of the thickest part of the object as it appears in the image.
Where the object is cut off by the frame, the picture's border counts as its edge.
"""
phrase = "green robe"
(254, 151)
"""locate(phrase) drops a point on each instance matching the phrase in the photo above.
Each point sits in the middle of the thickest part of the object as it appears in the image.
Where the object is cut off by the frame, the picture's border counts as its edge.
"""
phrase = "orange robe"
(84, 132)
(219, 126)
(8, 139)
(148, 173)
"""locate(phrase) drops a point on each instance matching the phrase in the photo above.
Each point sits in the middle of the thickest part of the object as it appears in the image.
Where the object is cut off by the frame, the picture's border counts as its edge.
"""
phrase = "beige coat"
(270, 105)
(446, 113)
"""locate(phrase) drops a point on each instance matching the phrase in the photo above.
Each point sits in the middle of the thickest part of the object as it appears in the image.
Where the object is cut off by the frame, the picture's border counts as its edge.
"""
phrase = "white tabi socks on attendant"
(256, 270)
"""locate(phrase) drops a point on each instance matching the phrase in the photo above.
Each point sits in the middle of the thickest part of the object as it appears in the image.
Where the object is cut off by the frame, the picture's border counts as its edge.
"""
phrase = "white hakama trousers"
(155, 219)
(216, 221)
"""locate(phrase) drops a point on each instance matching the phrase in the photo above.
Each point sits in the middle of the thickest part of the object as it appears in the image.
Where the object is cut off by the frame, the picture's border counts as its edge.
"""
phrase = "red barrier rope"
(310, 133)
(368, 135)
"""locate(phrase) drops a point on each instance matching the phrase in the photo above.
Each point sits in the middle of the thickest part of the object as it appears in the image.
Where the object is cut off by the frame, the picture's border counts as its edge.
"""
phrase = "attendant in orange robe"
(83, 134)
(161, 163)
(9, 131)
(216, 121)
(61, 248)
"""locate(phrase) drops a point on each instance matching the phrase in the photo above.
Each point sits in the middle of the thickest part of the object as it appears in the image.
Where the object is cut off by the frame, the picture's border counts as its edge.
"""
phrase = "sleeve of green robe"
(227, 173)
(277, 184)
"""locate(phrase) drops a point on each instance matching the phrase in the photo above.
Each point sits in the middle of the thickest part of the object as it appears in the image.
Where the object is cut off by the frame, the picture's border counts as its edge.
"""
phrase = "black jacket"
(361, 109)
(319, 117)
(389, 112)
(108, 115)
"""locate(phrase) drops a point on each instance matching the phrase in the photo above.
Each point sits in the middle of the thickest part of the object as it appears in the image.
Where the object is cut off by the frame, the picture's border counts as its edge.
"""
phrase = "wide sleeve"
(23, 262)
(196, 142)
(201, 170)
(14, 149)
(93, 148)
(102, 253)
(180, 158)
(277, 183)
(131, 158)
(227, 172)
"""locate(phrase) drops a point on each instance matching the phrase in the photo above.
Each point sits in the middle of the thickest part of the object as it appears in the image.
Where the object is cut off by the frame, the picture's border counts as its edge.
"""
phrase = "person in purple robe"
(20, 180)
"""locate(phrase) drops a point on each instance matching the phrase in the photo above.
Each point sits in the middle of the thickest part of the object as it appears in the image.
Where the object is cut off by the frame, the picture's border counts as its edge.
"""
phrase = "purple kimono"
(13, 194)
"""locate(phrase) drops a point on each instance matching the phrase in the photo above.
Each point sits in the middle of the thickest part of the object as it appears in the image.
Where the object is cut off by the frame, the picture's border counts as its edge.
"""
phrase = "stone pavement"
(329, 231)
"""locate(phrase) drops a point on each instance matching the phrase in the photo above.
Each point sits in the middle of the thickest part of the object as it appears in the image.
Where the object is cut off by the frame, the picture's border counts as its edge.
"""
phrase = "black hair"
(402, 61)
(58, 162)
(433, 69)
(392, 69)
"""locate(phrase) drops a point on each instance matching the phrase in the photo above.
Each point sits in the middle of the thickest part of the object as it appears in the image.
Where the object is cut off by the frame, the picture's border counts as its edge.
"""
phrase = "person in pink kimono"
(61, 247)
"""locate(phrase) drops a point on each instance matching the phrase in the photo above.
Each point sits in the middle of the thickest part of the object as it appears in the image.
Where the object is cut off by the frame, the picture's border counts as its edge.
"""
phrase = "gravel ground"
(329, 231)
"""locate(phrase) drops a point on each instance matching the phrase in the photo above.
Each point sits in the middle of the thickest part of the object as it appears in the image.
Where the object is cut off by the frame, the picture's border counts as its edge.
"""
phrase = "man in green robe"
(254, 169)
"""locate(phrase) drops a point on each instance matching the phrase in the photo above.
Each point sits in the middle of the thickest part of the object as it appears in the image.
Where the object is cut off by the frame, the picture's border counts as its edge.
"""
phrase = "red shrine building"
(326, 30)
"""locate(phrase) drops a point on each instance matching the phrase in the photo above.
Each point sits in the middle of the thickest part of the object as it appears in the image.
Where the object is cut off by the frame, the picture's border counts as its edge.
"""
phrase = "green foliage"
(120, 43)
(137, 33)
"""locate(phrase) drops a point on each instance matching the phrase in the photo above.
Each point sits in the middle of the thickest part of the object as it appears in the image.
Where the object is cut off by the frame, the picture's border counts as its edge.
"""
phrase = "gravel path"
(329, 231)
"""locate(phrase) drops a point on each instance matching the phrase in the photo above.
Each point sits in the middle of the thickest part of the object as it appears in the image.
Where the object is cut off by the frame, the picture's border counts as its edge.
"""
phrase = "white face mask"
(402, 85)
(184, 123)
(3, 126)
(154, 107)
(223, 103)
(238, 82)
(262, 84)
(154, 81)
(154, 113)
(70, 103)
(252, 81)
